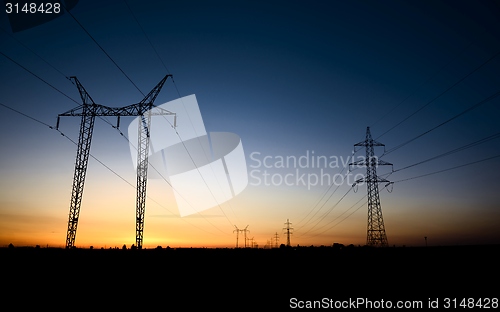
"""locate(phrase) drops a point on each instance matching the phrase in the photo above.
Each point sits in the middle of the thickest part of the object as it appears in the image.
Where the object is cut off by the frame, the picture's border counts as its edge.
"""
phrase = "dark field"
(194, 279)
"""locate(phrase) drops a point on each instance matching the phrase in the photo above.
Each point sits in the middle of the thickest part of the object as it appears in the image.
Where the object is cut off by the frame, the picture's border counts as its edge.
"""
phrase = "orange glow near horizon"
(107, 217)
(106, 230)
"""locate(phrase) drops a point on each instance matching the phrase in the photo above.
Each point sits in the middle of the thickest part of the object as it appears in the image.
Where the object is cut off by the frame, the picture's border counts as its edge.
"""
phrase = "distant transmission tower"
(237, 234)
(89, 110)
(376, 235)
(276, 239)
(245, 230)
(288, 229)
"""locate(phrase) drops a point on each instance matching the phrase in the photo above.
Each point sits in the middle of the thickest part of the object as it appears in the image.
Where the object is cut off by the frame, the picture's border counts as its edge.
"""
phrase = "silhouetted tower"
(276, 239)
(88, 111)
(237, 234)
(376, 235)
(288, 229)
(245, 230)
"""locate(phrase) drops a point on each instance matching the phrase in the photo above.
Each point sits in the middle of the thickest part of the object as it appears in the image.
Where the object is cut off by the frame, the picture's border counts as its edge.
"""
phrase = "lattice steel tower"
(88, 111)
(288, 232)
(376, 235)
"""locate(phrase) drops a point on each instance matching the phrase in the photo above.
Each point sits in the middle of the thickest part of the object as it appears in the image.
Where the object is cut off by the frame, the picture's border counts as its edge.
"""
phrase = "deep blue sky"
(287, 77)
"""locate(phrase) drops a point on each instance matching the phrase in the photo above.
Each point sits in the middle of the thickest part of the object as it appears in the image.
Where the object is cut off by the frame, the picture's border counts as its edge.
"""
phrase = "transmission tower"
(88, 111)
(288, 229)
(237, 234)
(251, 243)
(376, 235)
(245, 230)
(276, 239)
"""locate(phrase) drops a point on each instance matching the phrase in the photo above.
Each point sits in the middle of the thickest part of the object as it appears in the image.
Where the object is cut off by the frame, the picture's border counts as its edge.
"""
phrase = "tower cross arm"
(381, 180)
(369, 142)
(77, 111)
(381, 162)
(101, 110)
(364, 162)
(97, 110)
(151, 97)
(130, 110)
(138, 109)
(147, 103)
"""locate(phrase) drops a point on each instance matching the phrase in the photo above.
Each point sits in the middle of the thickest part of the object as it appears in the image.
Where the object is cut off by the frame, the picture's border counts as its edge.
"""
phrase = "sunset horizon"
(261, 113)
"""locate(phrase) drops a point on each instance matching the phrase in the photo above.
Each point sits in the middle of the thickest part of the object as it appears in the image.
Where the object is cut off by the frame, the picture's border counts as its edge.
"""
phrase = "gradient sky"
(290, 78)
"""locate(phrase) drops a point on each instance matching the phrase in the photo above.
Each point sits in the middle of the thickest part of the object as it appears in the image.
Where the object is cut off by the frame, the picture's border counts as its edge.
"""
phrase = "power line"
(189, 117)
(27, 116)
(29, 49)
(102, 118)
(386, 175)
(133, 186)
(441, 94)
(105, 120)
(44, 81)
(152, 46)
(102, 49)
(470, 73)
(403, 180)
(327, 213)
(328, 229)
(192, 160)
(361, 206)
(204, 181)
(41, 79)
(428, 80)
(163, 177)
(324, 194)
(47, 83)
(75, 100)
(68, 138)
(147, 37)
(491, 97)
(129, 80)
(376, 230)
(452, 168)
(98, 160)
(324, 203)
(458, 149)
(340, 216)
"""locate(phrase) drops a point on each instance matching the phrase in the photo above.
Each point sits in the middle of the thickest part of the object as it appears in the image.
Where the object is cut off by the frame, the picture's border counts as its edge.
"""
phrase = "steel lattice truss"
(376, 235)
(88, 111)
